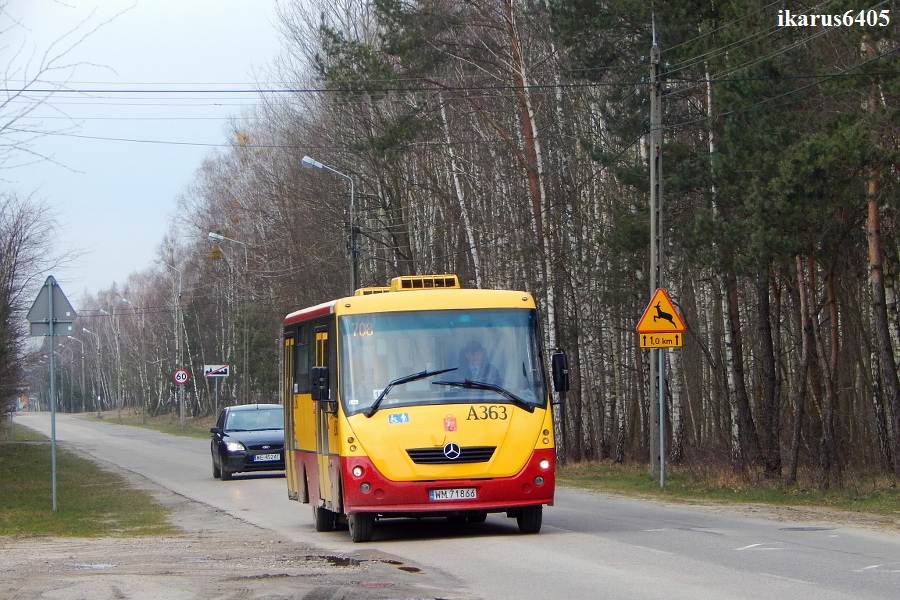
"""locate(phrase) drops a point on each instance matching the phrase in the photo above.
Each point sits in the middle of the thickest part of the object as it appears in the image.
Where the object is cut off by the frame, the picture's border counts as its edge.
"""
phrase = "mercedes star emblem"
(452, 451)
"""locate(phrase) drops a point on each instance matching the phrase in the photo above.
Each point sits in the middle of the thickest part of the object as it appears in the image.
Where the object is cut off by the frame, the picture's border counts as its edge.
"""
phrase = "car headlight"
(235, 447)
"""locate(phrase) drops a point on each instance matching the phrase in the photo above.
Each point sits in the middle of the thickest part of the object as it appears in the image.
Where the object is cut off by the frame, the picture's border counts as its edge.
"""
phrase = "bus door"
(287, 400)
(326, 430)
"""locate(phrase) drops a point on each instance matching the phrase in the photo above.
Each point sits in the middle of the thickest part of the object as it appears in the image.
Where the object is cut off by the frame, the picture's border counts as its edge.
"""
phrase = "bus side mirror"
(318, 376)
(560, 368)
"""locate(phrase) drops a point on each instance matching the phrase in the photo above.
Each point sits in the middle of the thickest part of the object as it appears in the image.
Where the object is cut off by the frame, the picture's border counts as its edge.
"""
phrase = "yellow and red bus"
(387, 416)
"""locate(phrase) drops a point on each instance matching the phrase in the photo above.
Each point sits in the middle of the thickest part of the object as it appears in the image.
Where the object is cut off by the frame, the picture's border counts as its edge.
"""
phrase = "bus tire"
(529, 519)
(323, 518)
(361, 526)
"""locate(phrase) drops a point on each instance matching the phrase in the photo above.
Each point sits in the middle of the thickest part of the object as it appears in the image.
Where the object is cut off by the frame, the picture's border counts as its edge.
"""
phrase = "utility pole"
(657, 355)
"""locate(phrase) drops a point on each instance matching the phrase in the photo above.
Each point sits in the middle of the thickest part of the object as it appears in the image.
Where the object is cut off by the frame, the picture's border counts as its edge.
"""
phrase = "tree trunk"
(769, 400)
(828, 358)
(676, 451)
(799, 400)
(887, 364)
(464, 211)
(881, 431)
(748, 438)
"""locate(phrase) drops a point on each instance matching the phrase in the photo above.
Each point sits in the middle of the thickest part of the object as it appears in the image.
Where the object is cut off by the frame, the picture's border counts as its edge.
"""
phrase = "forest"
(509, 142)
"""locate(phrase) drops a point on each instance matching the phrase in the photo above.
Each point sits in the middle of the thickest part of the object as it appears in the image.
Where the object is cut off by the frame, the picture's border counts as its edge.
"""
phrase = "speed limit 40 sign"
(180, 376)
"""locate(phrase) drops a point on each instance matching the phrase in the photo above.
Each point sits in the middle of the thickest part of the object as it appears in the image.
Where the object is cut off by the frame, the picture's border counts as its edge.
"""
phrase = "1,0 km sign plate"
(660, 340)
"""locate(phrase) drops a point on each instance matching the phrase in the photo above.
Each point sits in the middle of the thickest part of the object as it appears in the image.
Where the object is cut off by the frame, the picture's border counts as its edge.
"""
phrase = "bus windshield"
(412, 358)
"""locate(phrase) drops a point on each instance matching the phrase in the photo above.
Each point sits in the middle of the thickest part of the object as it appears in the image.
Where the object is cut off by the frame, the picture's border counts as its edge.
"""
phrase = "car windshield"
(440, 357)
(255, 420)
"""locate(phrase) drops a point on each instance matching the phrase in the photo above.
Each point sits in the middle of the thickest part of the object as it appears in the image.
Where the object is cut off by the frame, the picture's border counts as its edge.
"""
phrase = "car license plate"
(453, 494)
(266, 457)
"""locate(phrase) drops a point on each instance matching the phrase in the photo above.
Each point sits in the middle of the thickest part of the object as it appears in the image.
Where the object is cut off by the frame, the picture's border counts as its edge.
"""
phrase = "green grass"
(876, 494)
(91, 502)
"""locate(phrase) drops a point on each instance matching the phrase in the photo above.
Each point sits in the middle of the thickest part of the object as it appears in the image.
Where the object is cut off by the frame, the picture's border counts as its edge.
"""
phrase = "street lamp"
(246, 374)
(178, 357)
(71, 368)
(75, 339)
(98, 376)
(354, 252)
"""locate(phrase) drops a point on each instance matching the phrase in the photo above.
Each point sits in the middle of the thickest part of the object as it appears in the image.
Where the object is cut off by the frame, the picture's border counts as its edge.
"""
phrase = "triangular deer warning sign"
(660, 316)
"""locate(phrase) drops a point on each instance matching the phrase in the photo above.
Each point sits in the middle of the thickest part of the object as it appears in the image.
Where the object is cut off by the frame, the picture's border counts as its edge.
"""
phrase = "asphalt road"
(591, 545)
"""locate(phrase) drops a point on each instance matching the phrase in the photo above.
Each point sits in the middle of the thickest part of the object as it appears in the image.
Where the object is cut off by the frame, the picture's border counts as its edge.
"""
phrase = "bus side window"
(302, 361)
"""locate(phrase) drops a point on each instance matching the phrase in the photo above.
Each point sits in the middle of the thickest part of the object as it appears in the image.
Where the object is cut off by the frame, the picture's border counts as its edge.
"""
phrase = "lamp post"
(354, 252)
(73, 338)
(95, 396)
(246, 374)
(178, 357)
(71, 368)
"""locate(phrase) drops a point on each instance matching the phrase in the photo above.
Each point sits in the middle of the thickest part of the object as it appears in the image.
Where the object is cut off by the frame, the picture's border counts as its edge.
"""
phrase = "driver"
(474, 365)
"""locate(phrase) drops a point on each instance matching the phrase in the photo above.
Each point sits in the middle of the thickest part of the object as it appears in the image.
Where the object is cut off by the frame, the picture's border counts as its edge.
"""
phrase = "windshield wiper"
(481, 385)
(399, 381)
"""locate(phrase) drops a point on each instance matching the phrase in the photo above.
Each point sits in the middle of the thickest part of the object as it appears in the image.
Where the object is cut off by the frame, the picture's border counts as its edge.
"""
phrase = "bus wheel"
(529, 519)
(323, 518)
(361, 526)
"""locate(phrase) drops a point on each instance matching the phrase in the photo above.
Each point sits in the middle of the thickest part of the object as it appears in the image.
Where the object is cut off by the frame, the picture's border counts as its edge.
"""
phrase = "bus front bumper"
(373, 493)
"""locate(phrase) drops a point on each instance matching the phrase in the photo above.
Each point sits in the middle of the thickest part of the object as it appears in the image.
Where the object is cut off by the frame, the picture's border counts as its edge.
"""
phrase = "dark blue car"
(248, 437)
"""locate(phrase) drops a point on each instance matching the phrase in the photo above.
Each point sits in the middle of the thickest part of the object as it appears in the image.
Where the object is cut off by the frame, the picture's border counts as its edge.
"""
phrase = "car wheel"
(529, 519)
(323, 518)
(361, 526)
(226, 474)
(217, 473)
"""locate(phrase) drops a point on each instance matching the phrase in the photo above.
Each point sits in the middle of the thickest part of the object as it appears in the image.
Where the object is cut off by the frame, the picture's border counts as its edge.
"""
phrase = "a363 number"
(492, 413)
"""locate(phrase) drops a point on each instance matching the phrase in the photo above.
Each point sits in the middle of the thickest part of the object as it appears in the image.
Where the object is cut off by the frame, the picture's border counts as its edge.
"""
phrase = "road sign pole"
(50, 283)
(42, 319)
(662, 412)
(659, 328)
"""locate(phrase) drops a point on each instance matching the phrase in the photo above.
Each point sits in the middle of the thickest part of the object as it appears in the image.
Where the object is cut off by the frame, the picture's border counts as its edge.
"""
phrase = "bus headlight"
(544, 465)
(357, 471)
(364, 488)
(538, 480)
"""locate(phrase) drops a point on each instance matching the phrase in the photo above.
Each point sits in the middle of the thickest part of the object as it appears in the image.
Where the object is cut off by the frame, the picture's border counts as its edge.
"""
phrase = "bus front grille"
(437, 456)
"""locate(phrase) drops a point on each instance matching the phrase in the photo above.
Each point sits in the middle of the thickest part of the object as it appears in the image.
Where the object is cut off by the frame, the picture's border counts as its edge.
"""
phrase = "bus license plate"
(265, 457)
(453, 494)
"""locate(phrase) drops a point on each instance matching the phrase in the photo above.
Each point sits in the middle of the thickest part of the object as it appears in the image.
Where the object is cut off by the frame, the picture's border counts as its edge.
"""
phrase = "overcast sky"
(124, 158)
